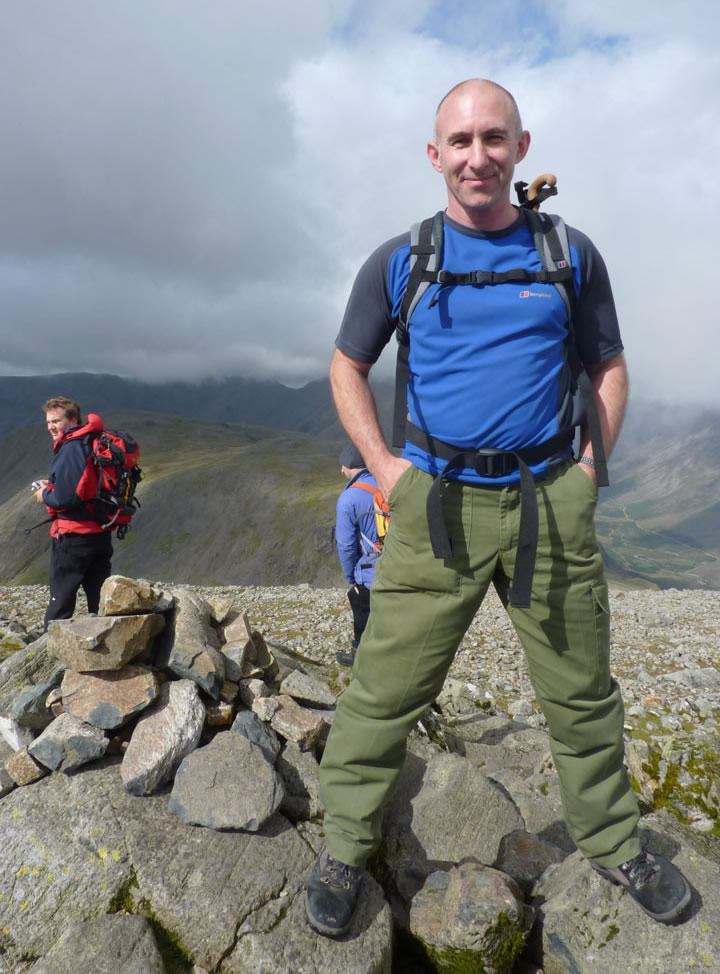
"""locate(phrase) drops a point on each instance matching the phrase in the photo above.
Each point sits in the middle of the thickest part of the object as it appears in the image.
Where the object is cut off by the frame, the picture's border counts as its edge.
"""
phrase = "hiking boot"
(332, 895)
(346, 657)
(653, 882)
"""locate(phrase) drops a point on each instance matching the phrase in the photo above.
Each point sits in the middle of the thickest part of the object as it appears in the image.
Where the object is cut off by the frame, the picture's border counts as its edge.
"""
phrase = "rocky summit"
(159, 806)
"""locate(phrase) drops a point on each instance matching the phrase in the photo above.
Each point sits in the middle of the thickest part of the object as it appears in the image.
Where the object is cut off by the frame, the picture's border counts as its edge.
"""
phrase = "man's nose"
(477, 155)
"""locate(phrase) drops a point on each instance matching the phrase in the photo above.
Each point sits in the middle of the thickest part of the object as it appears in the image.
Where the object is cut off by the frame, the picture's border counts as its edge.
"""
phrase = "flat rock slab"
(203, 885)
(72, 844)
(707, 677)
(228, 784)
(444, 812)
(62, 857)
(90, 643)
(108, 698)
(496, 743)
(593, 926)
(277, 938)
(113, 944)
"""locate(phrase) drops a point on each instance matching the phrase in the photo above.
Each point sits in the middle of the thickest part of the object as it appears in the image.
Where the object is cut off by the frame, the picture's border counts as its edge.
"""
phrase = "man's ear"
(523, 145)
(433, 153)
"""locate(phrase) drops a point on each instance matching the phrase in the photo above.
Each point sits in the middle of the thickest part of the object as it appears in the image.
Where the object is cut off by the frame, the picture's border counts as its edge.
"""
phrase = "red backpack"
(110, 478)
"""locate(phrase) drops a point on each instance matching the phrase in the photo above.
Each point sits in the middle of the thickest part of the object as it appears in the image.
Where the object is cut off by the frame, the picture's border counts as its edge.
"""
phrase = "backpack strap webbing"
(371, 549)
(492, 463)
(426, 254)
(426, 249)
(549, 234)
(375, 491)
(551, 242)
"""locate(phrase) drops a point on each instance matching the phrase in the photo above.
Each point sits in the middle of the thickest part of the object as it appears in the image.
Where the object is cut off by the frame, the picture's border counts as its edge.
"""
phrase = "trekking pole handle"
(541, 188)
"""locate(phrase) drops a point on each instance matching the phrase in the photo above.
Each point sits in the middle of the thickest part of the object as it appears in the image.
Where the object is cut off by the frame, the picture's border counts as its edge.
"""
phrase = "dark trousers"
(77, 560)
(360, 604)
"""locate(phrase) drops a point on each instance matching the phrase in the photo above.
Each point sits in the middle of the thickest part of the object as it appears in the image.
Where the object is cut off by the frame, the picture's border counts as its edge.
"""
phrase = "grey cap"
(351, 457)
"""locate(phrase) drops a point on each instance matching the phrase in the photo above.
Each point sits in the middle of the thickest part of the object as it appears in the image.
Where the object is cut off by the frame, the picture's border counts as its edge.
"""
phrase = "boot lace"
(336, 873)
(639, 870)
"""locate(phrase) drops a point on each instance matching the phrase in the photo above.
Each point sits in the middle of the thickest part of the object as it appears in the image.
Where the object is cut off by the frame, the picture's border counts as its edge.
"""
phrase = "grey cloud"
(187, 188)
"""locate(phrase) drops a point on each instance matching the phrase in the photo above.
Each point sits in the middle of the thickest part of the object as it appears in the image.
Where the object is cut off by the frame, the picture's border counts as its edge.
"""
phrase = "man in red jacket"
(81, 550)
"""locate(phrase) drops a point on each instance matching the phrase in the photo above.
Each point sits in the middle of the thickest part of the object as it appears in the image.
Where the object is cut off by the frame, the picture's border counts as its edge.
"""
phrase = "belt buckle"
(493, 463)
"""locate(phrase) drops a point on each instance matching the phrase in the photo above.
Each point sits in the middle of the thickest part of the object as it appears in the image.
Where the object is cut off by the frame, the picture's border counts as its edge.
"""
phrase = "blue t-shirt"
(488, 365)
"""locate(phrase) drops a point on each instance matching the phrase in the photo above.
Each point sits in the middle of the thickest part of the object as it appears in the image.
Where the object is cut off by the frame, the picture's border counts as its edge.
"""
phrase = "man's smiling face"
(478, 141)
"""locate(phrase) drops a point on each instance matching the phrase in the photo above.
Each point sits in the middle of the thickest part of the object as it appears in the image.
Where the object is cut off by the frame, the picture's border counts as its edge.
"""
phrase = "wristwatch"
(588, 460)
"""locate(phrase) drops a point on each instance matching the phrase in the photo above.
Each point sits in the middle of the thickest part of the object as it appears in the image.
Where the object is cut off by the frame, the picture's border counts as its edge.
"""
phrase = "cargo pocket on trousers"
(601, 620)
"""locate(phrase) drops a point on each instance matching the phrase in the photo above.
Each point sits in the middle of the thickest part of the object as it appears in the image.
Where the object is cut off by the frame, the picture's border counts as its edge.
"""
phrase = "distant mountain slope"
(241, 480)
(220, 503)
(659, 519)
(235, 400)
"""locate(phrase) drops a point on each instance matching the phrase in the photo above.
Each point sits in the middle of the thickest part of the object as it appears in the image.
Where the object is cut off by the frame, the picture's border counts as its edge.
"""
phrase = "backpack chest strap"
(480, 278)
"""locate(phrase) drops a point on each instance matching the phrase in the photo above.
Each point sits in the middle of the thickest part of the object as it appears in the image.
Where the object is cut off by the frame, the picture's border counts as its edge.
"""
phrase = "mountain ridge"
(230, 500)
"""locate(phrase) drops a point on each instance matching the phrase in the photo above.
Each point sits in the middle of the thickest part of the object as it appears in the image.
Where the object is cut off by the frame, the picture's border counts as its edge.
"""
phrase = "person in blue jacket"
(357, 542)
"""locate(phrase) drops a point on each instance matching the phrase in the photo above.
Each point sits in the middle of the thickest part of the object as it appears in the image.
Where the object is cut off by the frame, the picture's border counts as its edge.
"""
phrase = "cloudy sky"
(187, 187)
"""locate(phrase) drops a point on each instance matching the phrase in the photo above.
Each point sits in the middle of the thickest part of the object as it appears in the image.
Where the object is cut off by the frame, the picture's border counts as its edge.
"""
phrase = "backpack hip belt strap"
(491, 463)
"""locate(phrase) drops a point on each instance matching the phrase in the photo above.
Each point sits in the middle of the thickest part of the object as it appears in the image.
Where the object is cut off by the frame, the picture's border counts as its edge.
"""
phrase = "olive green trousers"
(421, 607)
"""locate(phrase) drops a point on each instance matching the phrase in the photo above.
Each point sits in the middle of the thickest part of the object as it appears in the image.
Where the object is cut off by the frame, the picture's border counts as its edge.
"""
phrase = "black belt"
(491, 463)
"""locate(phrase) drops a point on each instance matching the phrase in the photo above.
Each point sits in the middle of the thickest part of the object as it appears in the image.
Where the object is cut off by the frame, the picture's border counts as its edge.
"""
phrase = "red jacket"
(73, 482)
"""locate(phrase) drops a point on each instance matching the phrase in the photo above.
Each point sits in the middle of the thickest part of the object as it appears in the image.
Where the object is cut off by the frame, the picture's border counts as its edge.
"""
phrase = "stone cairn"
(155, 678)
(165, 742)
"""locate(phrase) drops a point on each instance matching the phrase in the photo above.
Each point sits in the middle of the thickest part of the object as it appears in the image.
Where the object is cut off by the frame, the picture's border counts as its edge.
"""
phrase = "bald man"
(489, 384)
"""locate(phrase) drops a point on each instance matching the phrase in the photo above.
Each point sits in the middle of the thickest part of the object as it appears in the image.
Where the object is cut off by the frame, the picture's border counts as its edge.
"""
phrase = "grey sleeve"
(597, 330)
(368, 323)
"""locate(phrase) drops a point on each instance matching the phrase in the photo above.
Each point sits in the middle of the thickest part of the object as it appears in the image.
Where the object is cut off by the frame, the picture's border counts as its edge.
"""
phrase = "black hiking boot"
(346, 657)
(654, 883)
(332, 894)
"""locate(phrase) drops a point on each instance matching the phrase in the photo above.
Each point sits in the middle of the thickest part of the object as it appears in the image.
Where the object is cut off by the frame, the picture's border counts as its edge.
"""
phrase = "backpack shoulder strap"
(551, 242)
(380, 514)
(426, 250)
(375, 491)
